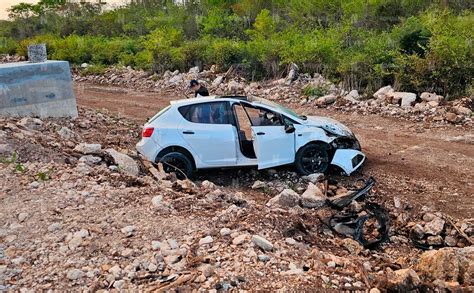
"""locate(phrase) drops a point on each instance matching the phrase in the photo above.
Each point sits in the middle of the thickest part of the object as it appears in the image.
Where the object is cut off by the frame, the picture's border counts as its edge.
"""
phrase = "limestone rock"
(262, 243)
(448, 264)
(434, 227)
(431, 97)
(286, 198)
(403, 280)
(326, 100)
(382, 93)
(125, 163)
(88, 148)
(313, 197)
(259, 184)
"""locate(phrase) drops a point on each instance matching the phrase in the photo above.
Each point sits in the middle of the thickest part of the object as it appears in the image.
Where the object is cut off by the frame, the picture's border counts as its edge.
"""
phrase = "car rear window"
(161, 112)
(207, 113)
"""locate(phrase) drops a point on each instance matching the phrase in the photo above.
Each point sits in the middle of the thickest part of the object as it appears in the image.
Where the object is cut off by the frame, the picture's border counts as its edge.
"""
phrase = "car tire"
(312, 158)
(178, 163)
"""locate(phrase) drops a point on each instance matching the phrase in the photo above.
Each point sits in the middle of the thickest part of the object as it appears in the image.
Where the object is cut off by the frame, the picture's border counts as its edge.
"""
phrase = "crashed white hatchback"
(232, 131)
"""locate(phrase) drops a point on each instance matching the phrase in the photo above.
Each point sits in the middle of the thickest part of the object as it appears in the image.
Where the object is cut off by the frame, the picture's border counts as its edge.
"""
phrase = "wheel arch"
(176, 148)
(320, 143)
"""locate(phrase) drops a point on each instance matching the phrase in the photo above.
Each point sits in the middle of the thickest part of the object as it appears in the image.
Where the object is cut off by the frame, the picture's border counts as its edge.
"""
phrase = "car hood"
(330, 125)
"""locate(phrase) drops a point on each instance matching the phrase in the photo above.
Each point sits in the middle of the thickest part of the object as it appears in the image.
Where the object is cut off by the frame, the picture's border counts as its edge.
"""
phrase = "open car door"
(273, 144)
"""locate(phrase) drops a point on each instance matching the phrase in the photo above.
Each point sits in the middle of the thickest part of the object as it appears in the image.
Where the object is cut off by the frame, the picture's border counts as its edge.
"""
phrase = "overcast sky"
(4, 4)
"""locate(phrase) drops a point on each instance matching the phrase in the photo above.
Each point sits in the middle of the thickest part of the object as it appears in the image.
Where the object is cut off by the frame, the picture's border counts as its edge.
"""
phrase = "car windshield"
(282, 109)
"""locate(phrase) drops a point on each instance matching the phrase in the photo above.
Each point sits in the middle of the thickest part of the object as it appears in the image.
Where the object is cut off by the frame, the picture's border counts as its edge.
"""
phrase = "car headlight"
(346, 142)
(338, 130)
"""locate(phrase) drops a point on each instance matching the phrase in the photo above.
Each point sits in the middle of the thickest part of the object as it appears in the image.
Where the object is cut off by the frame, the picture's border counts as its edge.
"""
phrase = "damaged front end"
(348, 160)
(347, 153)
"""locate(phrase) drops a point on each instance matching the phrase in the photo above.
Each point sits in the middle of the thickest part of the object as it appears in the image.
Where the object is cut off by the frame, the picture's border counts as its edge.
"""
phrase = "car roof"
(191, 101)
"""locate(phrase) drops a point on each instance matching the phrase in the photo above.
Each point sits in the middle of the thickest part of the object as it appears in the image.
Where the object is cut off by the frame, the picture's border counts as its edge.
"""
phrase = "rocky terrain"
(300, 89)
(80, 210)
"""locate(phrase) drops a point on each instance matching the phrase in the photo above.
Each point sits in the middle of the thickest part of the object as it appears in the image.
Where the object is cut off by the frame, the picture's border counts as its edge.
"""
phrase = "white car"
(233, 131)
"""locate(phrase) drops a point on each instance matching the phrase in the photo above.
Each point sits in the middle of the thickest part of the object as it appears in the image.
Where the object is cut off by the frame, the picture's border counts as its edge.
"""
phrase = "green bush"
(8, 46)
(415, 45)
(310, 90)
(93, 69)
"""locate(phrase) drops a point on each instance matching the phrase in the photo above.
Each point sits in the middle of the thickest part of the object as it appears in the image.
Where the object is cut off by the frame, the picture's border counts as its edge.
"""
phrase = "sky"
(4, 4)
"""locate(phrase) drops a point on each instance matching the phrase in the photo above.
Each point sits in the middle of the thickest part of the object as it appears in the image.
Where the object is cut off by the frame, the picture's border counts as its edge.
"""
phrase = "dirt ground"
(431, 165)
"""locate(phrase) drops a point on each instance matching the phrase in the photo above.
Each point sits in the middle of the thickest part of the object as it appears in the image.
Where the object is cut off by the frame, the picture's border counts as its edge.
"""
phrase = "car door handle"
(260, 133)
(188, 132)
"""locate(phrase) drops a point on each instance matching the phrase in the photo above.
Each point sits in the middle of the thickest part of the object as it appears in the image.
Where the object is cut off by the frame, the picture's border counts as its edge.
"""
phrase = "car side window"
(263, 117)
(207, 113)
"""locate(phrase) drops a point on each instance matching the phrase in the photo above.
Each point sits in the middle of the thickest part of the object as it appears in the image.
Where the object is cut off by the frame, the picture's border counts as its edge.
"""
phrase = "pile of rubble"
(80, 210)
(5, 58)
(428, 107)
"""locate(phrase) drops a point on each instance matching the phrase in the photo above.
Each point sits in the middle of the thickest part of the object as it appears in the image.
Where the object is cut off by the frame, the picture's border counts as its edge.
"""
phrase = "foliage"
(415, 45)
(310, 91)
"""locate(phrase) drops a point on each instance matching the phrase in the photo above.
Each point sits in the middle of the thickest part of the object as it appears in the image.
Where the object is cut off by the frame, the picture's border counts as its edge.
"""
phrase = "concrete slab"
(37, 89)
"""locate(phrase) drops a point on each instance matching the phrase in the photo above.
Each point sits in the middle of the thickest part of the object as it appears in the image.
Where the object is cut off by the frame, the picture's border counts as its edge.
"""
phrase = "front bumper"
(348, 160)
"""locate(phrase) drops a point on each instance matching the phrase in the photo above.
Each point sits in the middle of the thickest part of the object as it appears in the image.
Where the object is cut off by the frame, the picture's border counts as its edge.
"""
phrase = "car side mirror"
(289, 128)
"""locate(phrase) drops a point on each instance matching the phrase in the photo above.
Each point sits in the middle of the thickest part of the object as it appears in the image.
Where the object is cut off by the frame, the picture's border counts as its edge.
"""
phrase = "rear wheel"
(178, 163)
(312, 158)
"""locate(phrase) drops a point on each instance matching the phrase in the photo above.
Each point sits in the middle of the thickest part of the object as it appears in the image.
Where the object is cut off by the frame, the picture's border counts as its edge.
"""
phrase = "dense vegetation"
(416, 45)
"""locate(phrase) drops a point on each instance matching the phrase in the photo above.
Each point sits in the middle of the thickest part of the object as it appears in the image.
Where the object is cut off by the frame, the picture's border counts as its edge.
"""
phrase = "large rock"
(460, 110)
(326, 100)
(383, 92)
(125, 163)
(217, 82)
(194, 70)
(88, 148)
(403, 280)
(313, 197)
(434, 227)
(292, 73)
(286, 198)
(448, 264)
(431, 97)
(175, 80)
(314, 178)
(403, 98)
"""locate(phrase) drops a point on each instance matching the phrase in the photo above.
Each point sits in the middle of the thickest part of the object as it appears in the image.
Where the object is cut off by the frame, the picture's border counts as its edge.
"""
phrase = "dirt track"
(423, 164)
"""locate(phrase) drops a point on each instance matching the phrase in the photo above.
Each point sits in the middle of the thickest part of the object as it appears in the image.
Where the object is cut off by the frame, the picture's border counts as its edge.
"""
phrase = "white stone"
(313, 197)
(225, 231)
(194, 70)
(74, 274)
(217, 81)
(125, 163)
(382, 92)
(262, 243)
(206, 240)
(259, 184)
(88, 148)
(22, 217)
(240, 239)
(128, 230)
(155, 245)
(157, 201)
(286, 198)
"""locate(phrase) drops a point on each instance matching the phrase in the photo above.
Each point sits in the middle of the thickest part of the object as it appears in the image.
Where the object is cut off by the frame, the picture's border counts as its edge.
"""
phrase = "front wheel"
(312, 158)
(178, 163)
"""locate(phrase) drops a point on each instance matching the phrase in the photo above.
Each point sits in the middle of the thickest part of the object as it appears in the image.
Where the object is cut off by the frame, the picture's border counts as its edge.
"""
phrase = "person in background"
(198, 89)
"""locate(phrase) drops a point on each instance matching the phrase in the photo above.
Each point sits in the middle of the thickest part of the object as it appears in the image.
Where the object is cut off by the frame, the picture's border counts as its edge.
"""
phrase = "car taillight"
(147, 132)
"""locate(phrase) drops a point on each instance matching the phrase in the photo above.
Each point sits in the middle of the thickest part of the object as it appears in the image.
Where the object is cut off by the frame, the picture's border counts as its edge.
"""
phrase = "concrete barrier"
(37, 89)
